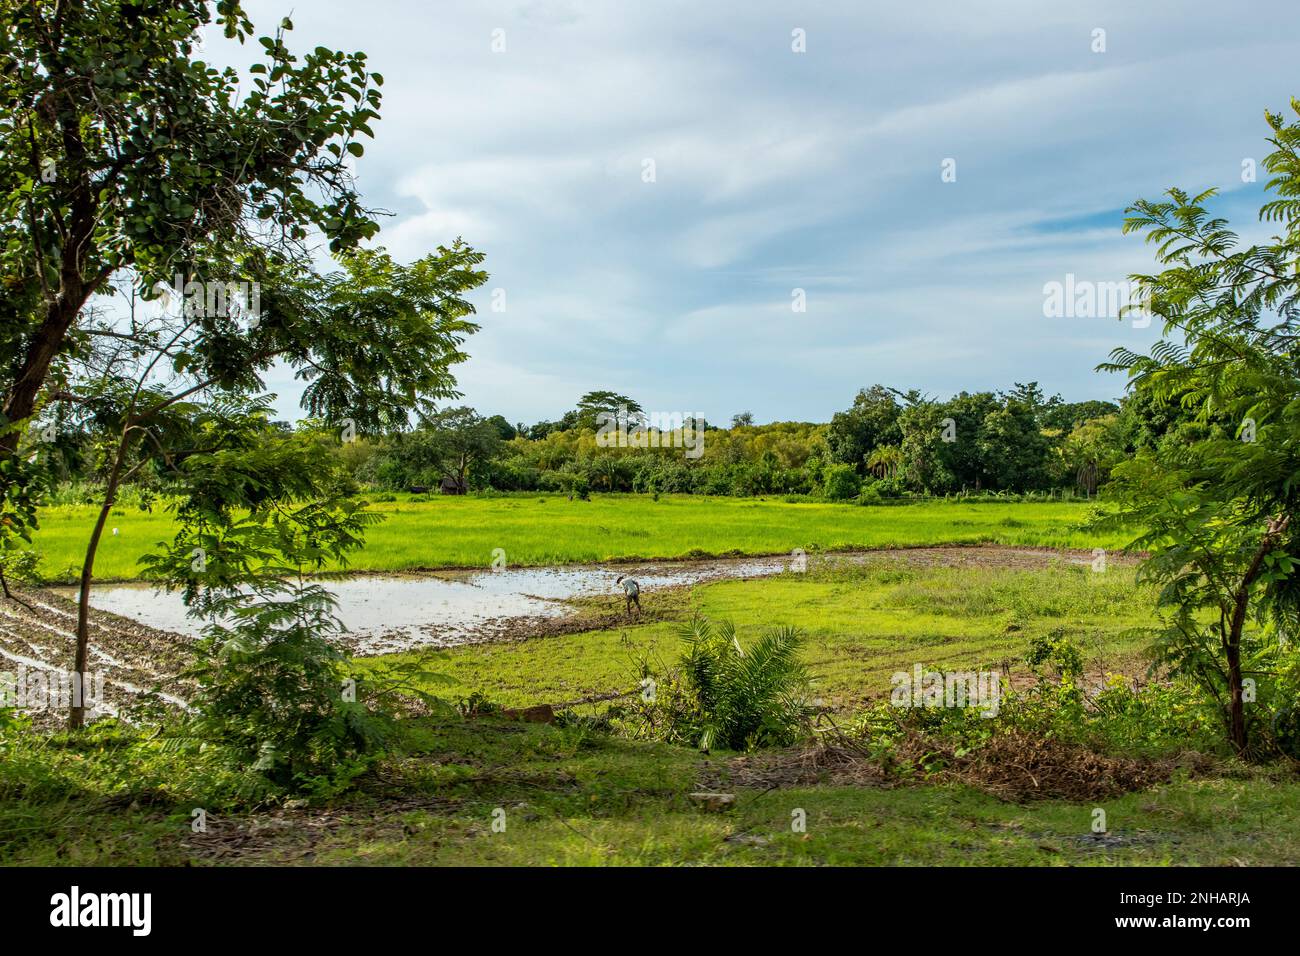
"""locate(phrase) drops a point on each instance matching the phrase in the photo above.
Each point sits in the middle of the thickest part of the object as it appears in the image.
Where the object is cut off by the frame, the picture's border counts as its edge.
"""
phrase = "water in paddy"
(384, 613)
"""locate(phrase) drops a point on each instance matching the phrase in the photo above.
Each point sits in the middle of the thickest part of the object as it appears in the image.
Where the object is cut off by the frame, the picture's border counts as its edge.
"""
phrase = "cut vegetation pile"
(1014, 766)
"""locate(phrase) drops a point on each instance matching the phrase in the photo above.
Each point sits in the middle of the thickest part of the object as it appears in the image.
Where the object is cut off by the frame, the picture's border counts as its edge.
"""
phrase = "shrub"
(870, 494)
(21, 566)
(724, 696)
(841, 483)
(272, 692)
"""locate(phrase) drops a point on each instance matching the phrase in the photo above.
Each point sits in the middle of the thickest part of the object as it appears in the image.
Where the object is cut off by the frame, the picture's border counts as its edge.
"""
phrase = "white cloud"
(778, 170)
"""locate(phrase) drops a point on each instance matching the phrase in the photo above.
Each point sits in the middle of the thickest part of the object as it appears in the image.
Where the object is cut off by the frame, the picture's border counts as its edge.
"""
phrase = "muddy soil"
(132, 662)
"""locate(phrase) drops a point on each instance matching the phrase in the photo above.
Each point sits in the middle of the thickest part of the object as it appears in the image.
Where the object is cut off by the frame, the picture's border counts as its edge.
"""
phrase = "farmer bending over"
(633, 592)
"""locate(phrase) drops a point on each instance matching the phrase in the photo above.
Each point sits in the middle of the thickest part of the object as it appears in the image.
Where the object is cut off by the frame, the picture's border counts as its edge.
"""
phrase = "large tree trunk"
(74, 285)
(20, 403)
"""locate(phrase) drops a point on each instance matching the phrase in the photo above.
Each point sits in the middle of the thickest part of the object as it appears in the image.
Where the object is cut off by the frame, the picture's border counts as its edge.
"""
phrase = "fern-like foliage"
(1217, 497)
(737, 698)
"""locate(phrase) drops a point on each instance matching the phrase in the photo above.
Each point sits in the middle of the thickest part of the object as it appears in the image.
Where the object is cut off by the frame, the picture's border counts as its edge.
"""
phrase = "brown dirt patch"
(38, 633)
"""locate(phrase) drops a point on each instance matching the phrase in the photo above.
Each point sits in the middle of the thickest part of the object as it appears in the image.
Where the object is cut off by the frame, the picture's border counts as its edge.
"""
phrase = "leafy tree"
(126, 160)
(924, 448)
(505, 431)
(122, 153)
(255, 516)
(1064, 416)
(373, 340)
(1029, 395)
(742, 420)
(966, 456)
(841, 482)
(1218, 508)
(1092, 448)
(591, 405)
(458, 439)
(872, 420)
(885, 461)
(1012, 447)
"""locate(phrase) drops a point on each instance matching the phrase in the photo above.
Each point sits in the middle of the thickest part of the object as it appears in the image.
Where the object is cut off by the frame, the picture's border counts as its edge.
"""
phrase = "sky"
(653, 183)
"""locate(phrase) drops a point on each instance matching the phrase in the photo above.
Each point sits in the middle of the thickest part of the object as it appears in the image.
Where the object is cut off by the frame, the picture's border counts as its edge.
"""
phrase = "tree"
(872, 420)
(965, 454)
(593, 404)
(885, 461)
(1012, 447)
(505, 431)
(255, 516)
(373, 340)
(457, 440)
(926, 438)
(124, 157)
(742, 420)
(119, 152)
(1091, 449)
(1218, 508)
(1064, 416)
(1030, 396)
(841, 482)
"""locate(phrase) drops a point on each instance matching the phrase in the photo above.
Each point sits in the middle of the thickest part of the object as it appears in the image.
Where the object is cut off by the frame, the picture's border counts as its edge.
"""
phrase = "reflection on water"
(391, 612)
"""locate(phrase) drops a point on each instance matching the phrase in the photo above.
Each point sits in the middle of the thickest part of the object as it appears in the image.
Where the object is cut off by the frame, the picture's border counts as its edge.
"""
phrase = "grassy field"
(572, 798)
(464, 532)
(569, 795)
(863, 624)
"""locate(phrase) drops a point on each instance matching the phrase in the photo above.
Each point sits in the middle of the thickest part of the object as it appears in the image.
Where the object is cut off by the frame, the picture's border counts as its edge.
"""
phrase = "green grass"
(544, 530)
(863, 624)
(572, 798)
(628, 805)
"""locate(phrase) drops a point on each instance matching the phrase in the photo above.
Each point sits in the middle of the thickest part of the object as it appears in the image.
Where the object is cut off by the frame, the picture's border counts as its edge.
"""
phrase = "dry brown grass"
(1015, 766)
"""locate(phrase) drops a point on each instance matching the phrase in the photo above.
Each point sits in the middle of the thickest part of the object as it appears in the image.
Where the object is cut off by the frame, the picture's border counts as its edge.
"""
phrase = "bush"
(889, 488)
(1156, 721)
(870, 494)
(20, 566)
(841, 483)
(272, 693)
(724, 696)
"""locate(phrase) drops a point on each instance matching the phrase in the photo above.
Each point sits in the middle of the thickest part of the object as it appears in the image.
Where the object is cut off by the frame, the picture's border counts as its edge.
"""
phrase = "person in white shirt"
(632, 591)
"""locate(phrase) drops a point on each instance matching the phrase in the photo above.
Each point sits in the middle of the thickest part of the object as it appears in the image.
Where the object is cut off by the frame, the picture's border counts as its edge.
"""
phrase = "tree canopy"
(1217, 506)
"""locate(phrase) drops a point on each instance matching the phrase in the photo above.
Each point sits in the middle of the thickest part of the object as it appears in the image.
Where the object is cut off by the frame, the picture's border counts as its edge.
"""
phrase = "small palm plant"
(885, 460)
(744, 699)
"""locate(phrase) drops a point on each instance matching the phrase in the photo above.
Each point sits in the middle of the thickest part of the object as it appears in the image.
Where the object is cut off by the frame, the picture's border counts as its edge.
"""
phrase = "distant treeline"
(886, 444)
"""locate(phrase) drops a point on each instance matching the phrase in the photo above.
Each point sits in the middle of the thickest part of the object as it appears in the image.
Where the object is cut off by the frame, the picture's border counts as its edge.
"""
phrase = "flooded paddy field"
(384, 613)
